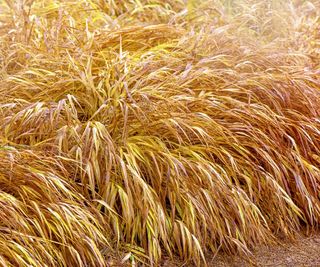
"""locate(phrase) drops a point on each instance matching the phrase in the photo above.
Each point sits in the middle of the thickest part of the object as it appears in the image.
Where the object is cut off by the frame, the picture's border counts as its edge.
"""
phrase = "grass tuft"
(132, 131)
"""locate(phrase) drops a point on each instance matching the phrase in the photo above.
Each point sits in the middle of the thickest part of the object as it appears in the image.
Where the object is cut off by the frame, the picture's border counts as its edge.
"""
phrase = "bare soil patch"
(304, 251)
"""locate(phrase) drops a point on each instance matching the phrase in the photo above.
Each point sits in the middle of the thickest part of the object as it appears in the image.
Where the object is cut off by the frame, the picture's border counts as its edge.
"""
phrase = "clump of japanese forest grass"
(138, 130)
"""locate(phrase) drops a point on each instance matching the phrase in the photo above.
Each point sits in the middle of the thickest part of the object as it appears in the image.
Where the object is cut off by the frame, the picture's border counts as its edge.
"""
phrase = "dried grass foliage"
(136, 130)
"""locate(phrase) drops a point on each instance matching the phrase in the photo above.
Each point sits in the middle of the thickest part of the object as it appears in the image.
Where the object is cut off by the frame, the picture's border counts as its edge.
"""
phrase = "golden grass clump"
(131, 131)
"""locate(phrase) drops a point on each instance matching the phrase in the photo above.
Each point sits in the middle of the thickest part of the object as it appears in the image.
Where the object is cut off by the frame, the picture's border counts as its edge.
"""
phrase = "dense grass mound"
(136, 130)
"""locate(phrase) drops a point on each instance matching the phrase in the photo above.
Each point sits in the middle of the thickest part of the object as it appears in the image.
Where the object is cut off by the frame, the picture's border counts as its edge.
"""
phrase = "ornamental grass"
(134, 131)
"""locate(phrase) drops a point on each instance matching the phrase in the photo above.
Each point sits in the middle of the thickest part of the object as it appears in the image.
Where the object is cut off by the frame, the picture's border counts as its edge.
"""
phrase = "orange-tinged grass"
(136, 130)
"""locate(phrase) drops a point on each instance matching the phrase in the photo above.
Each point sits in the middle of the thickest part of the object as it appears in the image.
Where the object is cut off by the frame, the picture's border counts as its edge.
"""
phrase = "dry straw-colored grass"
(136, 130)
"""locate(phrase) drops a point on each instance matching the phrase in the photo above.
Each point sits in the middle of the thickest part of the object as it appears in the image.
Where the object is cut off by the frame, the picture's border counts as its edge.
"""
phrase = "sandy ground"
(303, 252)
